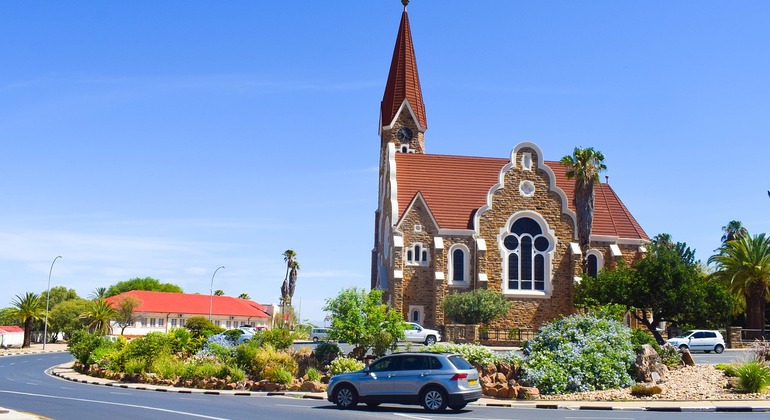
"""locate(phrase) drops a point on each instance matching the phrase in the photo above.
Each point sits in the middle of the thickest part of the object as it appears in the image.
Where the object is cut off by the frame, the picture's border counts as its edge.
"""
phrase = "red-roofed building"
(162, 311)
(449, 224)
(11, 336)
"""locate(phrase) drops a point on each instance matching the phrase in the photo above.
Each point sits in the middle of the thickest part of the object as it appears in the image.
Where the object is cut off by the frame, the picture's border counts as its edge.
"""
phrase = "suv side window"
(386, 364)
(435, 364)
(415, 363)
(699, 334)
(711, 335)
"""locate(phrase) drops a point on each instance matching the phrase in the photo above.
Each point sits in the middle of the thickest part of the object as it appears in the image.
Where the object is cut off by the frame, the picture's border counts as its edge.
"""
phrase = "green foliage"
(729, 369)
(201, 327)
(640, 337)
(313, 374)
(103, 354)
(382, 341)
(82, 344)
(134, 367)
(753, 377)
(344, 364)
(167, 367)
(147, 283)
(666, 285)
(264, 360)
(279, 338)
(183, 341)
(611, 311)
(479, 306)
(280, 376)
(326, 352)
(670, 356)
(359, 317)
(473, 353)
(642, 390)
(579, 353)
(148, 348)
(65, 317)
(124, 312)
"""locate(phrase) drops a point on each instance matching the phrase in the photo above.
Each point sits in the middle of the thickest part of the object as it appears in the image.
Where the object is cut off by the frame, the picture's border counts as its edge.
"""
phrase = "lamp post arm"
(47, 301)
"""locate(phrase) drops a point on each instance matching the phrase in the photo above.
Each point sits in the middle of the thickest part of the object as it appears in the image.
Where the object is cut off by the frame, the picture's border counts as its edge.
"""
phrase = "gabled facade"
(162, 311)
(456, 223)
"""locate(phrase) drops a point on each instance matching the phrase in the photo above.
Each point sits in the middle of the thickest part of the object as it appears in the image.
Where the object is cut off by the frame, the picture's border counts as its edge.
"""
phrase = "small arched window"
(594, 262)
(459, 265)
(416, 316)
(417, 254)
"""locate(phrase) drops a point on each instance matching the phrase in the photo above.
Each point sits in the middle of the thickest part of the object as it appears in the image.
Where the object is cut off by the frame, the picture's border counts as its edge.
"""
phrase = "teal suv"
(434, 380)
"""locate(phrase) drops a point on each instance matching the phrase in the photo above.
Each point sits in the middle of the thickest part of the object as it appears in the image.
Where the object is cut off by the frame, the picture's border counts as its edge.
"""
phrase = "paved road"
(25, 387)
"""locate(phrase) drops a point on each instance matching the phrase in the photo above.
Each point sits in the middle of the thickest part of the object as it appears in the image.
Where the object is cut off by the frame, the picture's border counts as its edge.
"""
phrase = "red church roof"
(183, 303)
(455, 187)
(403, 80)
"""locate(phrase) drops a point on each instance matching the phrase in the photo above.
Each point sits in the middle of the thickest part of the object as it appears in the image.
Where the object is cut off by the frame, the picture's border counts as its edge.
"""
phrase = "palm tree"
(743, 264)
(584, 165)
(99, 314)
(98, 293)
(733, 230)
(288, 257)
(27, 309)
(293, 279)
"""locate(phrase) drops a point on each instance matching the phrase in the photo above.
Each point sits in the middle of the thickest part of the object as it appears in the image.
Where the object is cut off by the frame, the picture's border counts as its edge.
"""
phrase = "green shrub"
(134, 367)
(313, 374)
(670, 356)
(280, 376)
(579, 353)
(82, 343)
(475, 307)
(100, 355)
(167, 367)
(326, 352)
(752, 377)
(640, 337)
(729, 369)
(344, 364)
(267, 358)
(641, 390)
(148, 348)
(235, 373)
(279, 338)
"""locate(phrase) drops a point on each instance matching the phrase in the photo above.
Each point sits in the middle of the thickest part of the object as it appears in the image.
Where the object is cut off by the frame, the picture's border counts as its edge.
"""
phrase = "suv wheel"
(719, 349)
(683, 347)
(430, 340)
(434, 400)
(315, 339)
(345, 396)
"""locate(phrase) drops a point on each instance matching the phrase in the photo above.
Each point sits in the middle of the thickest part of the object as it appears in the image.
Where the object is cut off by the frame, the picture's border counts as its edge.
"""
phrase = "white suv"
(415, 333)
(705, 340)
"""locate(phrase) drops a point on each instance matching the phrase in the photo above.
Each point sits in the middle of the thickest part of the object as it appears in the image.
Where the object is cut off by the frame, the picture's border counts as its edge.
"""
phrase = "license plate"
(472, 381)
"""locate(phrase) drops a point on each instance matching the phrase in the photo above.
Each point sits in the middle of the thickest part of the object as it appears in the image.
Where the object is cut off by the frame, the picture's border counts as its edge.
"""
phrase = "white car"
(415, 333)
(704, 340)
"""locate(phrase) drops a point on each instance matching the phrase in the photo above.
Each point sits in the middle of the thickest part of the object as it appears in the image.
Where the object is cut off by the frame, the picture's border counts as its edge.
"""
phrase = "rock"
(647, 363)
(312, 386)
(528, 393)
(500, 378)
(489, 370)
(505, 369)
(687, 358)
(232, 386)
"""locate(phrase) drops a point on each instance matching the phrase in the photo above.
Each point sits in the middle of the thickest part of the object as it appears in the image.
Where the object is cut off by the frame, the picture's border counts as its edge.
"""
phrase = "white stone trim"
(574, 248)
(577, 279)
(440, 275)
(599, 258)
(392, 181)
(398, 241)
(481, 244)
(615, 250)
(527, 188)
(438, 242)
(501, 184)
(398, 274)
(483, 277)
(618, 240)
(642, 249)
(417, 197)
(417, 259)
(408, 106)
(421, 313)
(466, 265)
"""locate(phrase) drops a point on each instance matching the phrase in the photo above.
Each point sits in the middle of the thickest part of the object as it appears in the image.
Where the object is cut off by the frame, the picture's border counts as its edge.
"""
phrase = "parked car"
(415, 333)
(319, 334)
(705, 340)
(434, 380)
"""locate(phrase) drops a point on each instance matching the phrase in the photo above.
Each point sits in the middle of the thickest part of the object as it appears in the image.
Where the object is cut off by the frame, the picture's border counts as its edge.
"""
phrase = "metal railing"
(502, 334)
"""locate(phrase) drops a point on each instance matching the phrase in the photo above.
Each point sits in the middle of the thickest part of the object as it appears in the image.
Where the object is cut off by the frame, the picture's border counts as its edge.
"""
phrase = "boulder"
(505, 369)
(528, 393)
(312, 386)
(500, 378)
(489, 370)
(648, 362)
(687, 358)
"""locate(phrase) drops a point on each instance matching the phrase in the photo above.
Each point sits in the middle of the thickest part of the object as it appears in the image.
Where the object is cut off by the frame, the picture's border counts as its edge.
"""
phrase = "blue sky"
(165, 139)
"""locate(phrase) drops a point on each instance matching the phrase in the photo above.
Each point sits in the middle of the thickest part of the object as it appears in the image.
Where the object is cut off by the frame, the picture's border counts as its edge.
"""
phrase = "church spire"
(403, 80)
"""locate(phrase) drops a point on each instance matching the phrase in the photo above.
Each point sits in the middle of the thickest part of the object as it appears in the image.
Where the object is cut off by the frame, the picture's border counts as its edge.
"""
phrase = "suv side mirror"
(367, 370)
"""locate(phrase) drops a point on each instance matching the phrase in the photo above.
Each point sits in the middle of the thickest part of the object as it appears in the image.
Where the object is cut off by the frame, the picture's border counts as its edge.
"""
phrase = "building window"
(595, 262)
(459, 266)
(160, 322)
(415, 316)
(527, 249)
(152, 322)
(415, 313)
(173, 322)
(181, 322)
(417, 254)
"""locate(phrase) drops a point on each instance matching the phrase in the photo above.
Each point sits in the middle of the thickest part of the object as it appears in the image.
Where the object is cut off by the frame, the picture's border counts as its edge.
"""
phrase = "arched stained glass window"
(526, 249)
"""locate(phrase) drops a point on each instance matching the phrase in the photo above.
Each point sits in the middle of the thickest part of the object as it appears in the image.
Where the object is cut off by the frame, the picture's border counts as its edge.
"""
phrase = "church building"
(450, 224)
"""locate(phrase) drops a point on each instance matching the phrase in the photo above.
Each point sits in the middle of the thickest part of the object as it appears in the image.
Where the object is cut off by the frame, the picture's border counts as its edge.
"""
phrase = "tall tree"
(147, 283)
(124, 313)
(743, 264)
(58, 295)
(98, 293)
(65, 317)
(665, 285)
(584, 165)
(733, 230)
(286, 295)
(27, 309)
(98, 315)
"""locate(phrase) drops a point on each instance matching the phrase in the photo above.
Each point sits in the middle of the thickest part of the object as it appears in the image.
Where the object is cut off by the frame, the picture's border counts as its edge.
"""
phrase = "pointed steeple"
(403, 80)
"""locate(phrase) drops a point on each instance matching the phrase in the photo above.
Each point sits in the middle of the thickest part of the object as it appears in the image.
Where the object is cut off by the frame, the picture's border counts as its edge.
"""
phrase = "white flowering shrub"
(473, 353)
(579, 353)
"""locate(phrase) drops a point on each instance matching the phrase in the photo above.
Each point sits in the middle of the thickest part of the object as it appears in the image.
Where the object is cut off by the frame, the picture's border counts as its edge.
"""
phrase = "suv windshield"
(459, 362)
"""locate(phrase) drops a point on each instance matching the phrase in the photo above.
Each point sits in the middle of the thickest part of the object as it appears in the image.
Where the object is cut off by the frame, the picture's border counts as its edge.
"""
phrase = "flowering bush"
(473, 353)
(344, 364)
(579, 353)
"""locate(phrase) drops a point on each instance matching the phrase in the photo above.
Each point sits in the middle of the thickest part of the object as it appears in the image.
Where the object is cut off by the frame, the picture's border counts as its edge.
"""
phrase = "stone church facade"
(449, 224)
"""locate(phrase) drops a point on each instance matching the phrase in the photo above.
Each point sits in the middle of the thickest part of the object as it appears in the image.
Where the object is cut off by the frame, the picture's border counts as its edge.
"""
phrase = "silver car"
(434, 380)
(706, 340)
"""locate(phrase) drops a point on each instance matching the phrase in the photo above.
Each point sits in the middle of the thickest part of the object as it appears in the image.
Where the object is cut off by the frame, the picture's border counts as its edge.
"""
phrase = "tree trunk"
(651, 327)
(27, 332)
(755, 311)
(584, 210)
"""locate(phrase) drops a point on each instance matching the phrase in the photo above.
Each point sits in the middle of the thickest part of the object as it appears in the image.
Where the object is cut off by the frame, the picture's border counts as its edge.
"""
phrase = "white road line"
(144, 407)
(409, 416)
(603, 418)
(293, 405)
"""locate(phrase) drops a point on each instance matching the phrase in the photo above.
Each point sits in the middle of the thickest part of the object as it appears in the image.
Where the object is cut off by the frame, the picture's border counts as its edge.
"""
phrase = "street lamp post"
(211, 297)
(47, 300)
